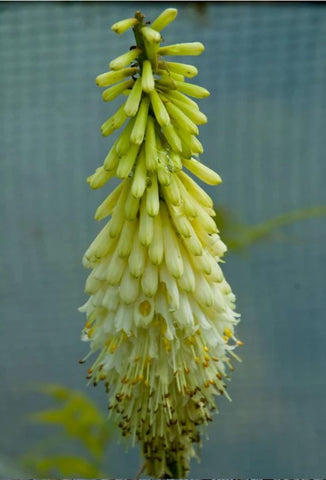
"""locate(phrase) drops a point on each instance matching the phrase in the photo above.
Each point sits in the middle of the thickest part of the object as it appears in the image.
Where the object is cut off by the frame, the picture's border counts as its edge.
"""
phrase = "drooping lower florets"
(160, 312)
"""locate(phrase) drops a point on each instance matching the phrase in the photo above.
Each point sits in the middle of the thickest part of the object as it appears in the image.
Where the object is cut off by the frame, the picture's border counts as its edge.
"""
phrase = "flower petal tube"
(160, 314)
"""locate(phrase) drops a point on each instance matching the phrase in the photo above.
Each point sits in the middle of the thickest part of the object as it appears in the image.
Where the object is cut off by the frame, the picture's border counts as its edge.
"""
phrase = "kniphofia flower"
(160, 312)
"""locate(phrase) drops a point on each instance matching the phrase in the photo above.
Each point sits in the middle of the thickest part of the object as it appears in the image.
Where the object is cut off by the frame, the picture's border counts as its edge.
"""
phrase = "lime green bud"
(164, 19)
(116, 222)
(192, 90)
(127, 161)
(123, 25)
(123, 60)
(126, 238)
(205, 174)
(189, 204)
(131, 207)
(115, 270)
(195, 190)
(156, 248)
(106, 207)
(114, 122)
(146, 225)
(176, 160)
(129, 287)
(99, 178)
(113, 92)
(122, 144)
(194, 115)
(147, 77)
(206, 220)
(172, 138)
(137, 258)
(192, 48)
(151, 49)
(202, 292)
(181, 68)
(111, 160)
(204, 264)
(181, 222)
(193, 244)
(133, 100)
(138, 131)
(187, 281)
(160, 112)
(151, 156)
(166, 75)
(149, 280)
(163, 174)
(190, 141)
(172, 191)
(139, 180)
(152, 197)
(108, 78)
(181, 119)
(152, 36)
(173, 257)
(166, 82)
(180, 97)
(118, 218)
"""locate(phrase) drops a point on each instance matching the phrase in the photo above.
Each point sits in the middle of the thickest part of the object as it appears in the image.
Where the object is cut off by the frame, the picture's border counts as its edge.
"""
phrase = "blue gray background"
(265, 65)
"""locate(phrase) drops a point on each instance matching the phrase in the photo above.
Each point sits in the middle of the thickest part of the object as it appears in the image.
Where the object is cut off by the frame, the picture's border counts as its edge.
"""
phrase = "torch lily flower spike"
(160, 313)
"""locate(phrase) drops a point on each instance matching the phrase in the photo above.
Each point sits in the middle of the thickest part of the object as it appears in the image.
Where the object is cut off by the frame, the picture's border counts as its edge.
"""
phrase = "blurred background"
(265, 66)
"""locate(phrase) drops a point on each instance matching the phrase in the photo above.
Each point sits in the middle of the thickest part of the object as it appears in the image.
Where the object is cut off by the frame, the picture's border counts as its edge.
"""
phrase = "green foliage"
(238, 236)
(79, 420)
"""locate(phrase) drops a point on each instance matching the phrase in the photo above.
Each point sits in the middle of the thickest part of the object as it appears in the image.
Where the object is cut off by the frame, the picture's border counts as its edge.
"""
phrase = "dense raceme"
(160, 312)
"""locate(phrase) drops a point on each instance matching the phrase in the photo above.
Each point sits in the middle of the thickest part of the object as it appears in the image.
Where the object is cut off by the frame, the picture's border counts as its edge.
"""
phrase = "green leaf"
(78, 416)
(238, 236)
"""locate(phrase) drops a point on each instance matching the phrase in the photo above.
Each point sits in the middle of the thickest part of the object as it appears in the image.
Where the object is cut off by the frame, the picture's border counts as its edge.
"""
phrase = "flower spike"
(160, 313)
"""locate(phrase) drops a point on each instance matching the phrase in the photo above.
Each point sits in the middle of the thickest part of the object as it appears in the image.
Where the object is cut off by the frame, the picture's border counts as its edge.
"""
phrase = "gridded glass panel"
(265, 65)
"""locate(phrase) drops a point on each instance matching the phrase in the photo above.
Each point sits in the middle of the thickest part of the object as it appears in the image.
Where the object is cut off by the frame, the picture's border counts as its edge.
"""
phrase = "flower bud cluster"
(160, 312)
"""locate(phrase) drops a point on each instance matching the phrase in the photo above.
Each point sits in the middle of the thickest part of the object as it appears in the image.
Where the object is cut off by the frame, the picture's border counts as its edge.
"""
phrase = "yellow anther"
(156, 323)
(88, 324)
(186, 370)
(206, 349)
(197, 359)
(207, 358)
(240, 343)
(145, 308)
(90, 332)
(228, 332)
(226, 338)
(140, 378)
(146, 383)
(215, 359)
(113, 348)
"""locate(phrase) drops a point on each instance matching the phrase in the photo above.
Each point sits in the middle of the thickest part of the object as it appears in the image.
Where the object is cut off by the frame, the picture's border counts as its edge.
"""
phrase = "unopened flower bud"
(123, 25)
